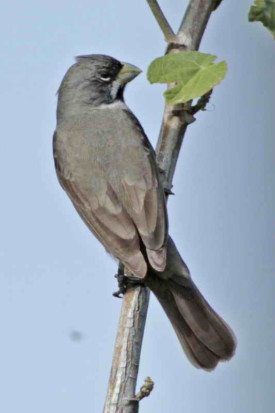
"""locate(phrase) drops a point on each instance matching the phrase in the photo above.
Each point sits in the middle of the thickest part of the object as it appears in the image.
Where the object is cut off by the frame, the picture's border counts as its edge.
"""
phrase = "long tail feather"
(203, 334)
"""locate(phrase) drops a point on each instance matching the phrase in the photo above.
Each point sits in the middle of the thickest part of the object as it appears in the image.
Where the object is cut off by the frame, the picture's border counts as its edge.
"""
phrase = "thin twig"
(165, 27)
(201, 103)
(145, 389)
(176, 118)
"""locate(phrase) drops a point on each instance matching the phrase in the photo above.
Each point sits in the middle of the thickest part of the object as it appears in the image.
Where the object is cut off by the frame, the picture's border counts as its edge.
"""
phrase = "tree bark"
(122, 383)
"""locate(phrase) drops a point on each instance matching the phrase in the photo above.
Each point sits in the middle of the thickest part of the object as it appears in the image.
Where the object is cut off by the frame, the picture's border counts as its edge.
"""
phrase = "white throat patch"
(115, 86)
(114, 105)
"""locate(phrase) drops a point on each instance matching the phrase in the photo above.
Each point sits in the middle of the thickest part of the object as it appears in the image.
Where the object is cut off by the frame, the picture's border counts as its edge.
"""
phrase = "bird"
(107, 166)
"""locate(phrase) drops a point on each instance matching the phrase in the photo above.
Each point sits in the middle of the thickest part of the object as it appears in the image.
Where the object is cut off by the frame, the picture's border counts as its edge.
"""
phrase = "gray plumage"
(107, 166)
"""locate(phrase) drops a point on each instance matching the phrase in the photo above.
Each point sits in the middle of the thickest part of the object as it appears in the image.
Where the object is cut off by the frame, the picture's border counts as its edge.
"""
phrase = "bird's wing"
(146, 202)
(124, 203)
(108, 221)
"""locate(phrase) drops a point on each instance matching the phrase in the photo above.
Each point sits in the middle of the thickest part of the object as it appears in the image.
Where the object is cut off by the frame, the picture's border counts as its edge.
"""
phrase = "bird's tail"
(204, 336)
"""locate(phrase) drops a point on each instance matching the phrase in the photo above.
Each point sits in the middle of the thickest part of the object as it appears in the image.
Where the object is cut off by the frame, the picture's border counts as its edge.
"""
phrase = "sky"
(57, 314)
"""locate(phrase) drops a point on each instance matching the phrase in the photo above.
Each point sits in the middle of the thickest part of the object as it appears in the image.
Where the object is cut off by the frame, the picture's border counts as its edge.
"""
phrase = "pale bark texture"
(122, 384)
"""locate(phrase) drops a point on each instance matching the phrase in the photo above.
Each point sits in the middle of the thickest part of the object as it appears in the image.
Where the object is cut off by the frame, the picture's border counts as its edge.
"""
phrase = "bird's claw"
(125, 281)
(122, 287)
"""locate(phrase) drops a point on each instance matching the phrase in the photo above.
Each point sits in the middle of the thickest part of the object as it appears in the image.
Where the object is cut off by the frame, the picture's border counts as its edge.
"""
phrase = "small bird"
(107, 166)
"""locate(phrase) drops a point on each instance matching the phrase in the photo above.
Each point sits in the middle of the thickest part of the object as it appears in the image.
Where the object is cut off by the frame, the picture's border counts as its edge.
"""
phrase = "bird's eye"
(105, 77)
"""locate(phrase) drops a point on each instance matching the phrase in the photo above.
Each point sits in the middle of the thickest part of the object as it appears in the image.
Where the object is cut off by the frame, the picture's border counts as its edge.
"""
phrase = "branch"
(194, 23)
(165, 27)
(177, 117)
(201, 103)
(121, 391)
(122, 383)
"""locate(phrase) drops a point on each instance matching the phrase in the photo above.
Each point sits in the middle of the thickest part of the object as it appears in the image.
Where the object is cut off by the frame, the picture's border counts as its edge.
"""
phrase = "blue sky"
(57, 314)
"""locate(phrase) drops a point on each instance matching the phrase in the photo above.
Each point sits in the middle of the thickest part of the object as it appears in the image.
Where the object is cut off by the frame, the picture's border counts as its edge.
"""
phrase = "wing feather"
(111, 176)
(110, 223)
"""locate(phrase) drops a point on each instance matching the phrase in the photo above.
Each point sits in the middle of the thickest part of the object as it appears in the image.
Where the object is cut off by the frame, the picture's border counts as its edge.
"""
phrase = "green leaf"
(264, 12)
(193, 72)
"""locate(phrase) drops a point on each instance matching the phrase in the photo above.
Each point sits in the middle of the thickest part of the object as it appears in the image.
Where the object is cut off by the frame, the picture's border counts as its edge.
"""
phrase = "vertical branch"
(177, 117)
(194, 22)
(122, 384)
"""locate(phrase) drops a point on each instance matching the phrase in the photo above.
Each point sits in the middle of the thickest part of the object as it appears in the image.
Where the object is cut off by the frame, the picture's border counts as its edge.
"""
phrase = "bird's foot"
(124, 282)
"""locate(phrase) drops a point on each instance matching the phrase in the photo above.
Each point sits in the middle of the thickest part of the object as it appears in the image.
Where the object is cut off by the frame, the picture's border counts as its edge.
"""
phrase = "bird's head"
(96, 80)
